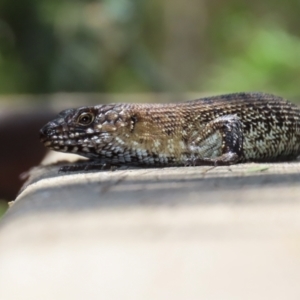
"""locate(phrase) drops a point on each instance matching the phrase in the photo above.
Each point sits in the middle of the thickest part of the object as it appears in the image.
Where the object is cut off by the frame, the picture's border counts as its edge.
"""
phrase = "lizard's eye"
(85, 119)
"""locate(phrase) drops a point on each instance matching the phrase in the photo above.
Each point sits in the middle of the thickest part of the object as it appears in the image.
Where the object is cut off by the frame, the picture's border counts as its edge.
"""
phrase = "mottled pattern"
(223, 129)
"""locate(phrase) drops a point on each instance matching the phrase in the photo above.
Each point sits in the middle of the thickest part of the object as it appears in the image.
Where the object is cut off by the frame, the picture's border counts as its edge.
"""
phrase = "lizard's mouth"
(51, 136)
(54, 130)
(48, 133)
(55, 138)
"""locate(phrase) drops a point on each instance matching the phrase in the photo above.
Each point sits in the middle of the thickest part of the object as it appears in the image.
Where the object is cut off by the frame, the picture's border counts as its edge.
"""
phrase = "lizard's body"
(217, 130)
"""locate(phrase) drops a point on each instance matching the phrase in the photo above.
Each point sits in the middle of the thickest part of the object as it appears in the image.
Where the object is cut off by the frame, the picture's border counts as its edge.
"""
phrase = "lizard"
(218, 130)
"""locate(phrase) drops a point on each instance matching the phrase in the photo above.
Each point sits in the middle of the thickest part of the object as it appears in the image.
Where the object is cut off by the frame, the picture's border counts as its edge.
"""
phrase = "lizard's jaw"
(47, 131)
(53, 136)
(56, 136)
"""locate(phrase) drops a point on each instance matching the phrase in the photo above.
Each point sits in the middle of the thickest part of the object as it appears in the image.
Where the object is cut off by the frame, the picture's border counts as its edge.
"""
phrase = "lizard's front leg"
(220, 142)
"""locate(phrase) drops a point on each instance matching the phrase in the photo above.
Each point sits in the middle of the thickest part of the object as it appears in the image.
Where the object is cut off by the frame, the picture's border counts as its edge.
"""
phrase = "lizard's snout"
(47, 131)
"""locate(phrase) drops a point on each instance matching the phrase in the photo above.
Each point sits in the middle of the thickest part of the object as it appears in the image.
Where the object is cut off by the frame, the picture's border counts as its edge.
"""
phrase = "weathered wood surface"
(173, 233)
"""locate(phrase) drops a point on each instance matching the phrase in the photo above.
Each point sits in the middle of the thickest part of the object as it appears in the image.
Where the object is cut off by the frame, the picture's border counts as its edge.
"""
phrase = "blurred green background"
(133, 46)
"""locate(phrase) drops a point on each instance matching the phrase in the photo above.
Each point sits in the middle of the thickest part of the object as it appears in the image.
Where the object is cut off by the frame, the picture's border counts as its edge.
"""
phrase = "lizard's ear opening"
(85, 118)
(133, 121)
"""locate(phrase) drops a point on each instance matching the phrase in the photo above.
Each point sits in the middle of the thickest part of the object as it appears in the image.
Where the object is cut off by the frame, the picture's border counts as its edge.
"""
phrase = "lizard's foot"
(225, 159)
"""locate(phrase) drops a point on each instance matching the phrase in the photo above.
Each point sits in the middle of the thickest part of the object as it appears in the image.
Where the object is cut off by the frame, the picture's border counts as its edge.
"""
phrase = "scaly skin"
(218, 130)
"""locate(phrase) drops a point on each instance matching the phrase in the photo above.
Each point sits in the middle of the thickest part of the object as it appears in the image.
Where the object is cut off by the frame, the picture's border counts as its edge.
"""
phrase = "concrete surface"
(174, 233)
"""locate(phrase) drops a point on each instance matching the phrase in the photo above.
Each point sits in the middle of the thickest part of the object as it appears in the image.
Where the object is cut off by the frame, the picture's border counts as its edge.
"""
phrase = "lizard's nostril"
(47, 131)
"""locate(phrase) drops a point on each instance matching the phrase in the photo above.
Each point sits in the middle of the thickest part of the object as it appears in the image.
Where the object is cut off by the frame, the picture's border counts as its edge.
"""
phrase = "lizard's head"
(90, 131)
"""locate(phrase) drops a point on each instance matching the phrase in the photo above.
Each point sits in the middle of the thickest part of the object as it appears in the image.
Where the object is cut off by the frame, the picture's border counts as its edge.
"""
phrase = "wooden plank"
(172, 233)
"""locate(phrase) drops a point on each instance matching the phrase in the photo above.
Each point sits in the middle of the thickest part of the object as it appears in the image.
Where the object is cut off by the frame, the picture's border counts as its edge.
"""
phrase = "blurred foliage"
(149, 46)
(3, 207)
